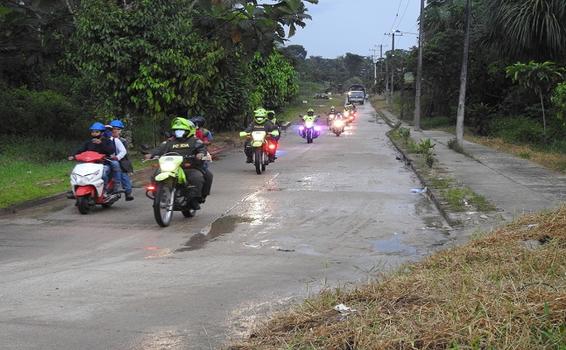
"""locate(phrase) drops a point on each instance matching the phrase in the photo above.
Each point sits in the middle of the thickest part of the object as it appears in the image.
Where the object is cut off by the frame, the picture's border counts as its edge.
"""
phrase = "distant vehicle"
(321, 96)
(357, 94)
(356, 97)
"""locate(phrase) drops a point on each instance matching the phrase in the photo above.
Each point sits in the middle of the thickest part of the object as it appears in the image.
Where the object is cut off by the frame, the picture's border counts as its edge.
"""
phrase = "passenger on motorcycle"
(202, 134)
(193, 150)
(259, 123)
(205, 136)
(99, 143)
(121, 155)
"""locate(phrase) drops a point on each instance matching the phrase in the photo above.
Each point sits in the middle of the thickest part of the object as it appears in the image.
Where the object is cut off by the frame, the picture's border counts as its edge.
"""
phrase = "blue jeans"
(126, 182)
(114, 167)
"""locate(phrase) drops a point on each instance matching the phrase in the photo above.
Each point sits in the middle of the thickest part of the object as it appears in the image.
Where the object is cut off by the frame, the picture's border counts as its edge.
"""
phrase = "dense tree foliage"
(504, 33)
(146, 59)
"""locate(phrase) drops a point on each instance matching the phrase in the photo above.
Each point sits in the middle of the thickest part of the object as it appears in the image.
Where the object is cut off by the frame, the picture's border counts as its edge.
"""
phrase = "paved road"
(331, 213)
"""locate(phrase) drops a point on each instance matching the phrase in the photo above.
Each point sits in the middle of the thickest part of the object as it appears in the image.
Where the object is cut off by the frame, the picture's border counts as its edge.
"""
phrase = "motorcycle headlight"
(309, 124)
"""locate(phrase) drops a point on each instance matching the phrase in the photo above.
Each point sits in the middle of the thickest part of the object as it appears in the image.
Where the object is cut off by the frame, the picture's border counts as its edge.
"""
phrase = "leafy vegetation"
(146, 60)
(516, 69)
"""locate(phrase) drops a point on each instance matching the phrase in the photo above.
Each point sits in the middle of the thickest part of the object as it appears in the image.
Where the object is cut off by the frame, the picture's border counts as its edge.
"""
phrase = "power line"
(396, 15)
(404, 12)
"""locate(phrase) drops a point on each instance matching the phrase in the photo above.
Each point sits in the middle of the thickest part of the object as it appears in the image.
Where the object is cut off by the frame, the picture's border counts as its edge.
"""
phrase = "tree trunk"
(463, 81)
(543, 114)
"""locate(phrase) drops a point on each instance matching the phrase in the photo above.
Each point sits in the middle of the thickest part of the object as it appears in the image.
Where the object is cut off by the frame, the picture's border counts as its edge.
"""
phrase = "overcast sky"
(340, 26)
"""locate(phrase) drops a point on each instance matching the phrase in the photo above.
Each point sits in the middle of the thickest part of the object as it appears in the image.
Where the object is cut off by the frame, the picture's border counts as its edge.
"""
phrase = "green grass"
(463, 198)
(22, 180)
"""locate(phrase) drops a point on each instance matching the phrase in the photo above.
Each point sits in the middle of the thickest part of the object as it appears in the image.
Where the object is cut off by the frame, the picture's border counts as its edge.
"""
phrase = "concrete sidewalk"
(516, 186)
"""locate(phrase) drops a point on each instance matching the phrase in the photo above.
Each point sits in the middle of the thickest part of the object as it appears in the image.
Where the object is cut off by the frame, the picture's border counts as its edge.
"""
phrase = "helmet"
(97, 127)
(270, 114)
(117, 124)
(310, 112)
(332, 108)
(183, 124)
(260, 115)
(198, 121)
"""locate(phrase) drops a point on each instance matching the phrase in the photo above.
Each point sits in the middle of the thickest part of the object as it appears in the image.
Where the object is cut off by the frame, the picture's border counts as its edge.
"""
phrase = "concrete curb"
(40, 201)
(409, 162)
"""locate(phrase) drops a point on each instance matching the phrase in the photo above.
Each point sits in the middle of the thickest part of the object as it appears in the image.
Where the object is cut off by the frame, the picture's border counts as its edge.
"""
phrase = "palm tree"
(528, 28)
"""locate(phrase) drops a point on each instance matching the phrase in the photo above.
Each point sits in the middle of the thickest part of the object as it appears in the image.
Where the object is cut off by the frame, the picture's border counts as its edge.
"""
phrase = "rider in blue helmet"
(121, 156)
(101, 144)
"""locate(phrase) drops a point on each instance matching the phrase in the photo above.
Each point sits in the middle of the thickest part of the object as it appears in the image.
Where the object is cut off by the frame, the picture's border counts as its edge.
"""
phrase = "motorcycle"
(330, 119)
(338, 126)
(263, 148)
(350, 116)
(309, 131)
(169, 190)
(87, 183)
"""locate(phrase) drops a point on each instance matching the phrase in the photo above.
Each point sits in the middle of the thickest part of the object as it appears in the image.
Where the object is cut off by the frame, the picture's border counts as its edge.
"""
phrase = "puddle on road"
(393, 246)
(224, 225)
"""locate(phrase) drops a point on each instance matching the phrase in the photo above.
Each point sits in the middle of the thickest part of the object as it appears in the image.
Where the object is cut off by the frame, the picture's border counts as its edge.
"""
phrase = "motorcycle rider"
(309, 117)
(205, 136)
(121, 155)
(273, 120)
(186, 144)
(259, 123)
(202, 134)
(331, 115)
(101, 144)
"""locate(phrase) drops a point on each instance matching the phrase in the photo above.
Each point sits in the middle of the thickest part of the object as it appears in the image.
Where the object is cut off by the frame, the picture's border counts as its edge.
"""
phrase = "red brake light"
(150, 188)
(271, 146)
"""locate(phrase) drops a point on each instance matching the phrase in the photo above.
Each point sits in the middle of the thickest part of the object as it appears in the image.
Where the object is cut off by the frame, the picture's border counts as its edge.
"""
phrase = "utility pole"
(374, 61)
(463, 80)
(418, 85)
(392, 68)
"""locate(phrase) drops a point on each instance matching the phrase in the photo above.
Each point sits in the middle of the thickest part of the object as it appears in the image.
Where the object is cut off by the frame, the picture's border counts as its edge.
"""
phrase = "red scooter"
(87, 183)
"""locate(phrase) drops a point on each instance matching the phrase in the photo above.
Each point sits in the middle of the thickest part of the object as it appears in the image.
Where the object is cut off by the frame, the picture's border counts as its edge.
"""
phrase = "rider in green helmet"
(259, 123)
(186, 144)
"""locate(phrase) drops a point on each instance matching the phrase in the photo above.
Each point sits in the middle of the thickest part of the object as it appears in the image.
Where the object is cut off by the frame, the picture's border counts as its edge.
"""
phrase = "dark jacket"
(185, 147)
(105, 147)
(267, 127)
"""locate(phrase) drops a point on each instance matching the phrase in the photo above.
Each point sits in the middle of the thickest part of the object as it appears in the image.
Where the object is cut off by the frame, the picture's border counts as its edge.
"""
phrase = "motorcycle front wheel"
(258, 161)
(83, 205)
(163, 204)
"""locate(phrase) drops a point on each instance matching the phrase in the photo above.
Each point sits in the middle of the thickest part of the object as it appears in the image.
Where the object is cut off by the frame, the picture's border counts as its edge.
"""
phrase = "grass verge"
(506, 290)
(550, 160)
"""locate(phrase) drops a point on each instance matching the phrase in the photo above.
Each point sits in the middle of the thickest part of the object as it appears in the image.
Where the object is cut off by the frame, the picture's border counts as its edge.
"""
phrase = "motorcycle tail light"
(150, 187)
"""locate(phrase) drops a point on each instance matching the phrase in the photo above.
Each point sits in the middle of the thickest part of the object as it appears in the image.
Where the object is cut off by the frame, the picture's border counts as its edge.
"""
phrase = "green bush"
(517, 130)
(42, 113)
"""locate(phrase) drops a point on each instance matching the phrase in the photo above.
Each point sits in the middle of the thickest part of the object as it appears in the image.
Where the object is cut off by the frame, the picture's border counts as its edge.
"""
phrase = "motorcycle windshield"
(170, 163)
(259, 135)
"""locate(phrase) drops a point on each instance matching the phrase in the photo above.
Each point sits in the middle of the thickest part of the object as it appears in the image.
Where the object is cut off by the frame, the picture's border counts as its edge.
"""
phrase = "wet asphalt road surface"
(336, 212)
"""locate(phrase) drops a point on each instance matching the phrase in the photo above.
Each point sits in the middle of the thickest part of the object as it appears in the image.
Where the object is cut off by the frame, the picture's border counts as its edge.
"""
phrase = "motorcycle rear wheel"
(163, 204)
